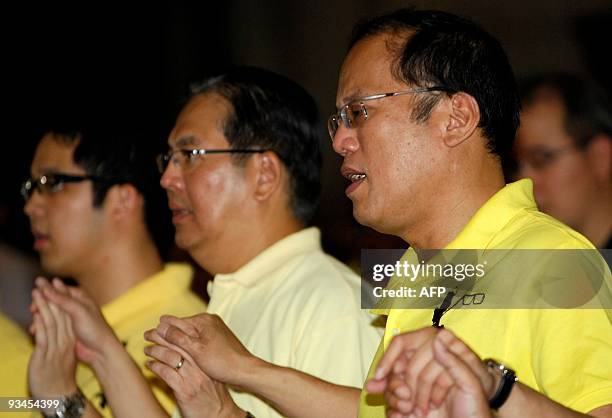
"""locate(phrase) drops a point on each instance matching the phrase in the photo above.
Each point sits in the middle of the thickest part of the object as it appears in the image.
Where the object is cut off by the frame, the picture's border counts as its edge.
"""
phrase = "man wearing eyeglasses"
(564, 144)
(242, 180)
(427, 109)
(97, 217)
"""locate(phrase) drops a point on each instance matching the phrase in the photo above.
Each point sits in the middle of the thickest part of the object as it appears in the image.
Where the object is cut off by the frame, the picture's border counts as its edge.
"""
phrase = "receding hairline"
(219, 98)
(396, 40)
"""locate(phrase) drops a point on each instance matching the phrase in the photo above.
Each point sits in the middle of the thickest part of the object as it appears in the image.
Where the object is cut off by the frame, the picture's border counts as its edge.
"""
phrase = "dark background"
(133, 64)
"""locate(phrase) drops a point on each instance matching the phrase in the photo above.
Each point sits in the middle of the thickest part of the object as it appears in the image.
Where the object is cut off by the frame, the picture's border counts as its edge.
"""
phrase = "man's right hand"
(209, 342)
(94, 336)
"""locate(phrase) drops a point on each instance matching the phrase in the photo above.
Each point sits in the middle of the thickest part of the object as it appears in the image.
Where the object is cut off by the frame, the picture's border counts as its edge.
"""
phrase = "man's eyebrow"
(352, 97)
(185, 141)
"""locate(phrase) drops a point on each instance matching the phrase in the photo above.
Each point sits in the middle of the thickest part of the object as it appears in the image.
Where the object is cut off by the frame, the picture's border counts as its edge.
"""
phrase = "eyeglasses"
(54, 182)
(350, 113)
(185, 157)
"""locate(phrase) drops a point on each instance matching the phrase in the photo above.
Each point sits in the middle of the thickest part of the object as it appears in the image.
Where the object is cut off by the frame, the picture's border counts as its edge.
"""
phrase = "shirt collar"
(174, 279)
(491, 218)
(266, 262)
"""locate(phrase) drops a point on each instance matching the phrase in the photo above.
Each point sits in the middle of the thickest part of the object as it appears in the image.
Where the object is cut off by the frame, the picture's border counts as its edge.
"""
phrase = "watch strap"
(506, 382)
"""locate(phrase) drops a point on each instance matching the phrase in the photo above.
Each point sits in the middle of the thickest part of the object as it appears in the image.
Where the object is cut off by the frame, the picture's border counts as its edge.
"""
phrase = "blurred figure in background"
(564, 143)
(97, 216)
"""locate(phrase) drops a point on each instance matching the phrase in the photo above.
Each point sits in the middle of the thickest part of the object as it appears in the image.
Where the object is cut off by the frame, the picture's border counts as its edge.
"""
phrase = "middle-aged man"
(427, 110)
(564, 144)
(242, 179)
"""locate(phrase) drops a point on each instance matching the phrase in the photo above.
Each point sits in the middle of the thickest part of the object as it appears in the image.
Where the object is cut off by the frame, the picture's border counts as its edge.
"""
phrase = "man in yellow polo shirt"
(96, 212)
(434, 178)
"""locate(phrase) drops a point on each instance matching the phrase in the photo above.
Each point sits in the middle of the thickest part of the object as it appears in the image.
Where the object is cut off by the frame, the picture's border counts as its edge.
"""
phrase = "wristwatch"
(506, 382)
(71, 406)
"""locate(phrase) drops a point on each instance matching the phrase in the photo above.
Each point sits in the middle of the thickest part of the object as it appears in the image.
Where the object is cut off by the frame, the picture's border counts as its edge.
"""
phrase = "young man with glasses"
(564, 144)
(243, 178)
(97, 217)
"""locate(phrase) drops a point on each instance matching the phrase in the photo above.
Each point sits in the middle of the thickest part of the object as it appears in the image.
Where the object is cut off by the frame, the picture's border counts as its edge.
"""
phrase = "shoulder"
(532, 229)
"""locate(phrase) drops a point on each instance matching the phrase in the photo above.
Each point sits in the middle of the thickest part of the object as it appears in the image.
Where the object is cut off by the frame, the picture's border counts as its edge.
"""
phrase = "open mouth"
(356, 177)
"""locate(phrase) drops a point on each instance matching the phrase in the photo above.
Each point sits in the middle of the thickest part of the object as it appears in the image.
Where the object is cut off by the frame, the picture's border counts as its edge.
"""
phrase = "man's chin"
(52, 267)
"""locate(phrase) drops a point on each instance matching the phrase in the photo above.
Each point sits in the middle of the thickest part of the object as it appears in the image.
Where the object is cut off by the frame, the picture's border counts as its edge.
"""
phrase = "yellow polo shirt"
(134, 312)
(295, 306)
(563, 353)
(15, 351)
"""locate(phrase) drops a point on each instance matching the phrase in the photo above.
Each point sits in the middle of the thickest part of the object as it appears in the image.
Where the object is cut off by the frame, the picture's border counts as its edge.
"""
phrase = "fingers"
(153, 336)
(46, 319)
(456, 367)
(186, 380)
(398, 367)
(176, 337)
(165, 355)
(376, 385)
(398, 396)
(440, 390)
(62, 288)
(400, 344)
(40, 335)
(181, 324)
(63, 299)
(461, 350)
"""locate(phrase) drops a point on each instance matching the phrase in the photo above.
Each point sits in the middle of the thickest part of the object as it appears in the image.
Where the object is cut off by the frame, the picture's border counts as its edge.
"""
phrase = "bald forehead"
(369, 66)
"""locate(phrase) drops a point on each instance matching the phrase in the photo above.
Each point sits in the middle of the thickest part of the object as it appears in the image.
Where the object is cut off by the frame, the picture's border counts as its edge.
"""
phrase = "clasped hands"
(197, 357)
(432, 373)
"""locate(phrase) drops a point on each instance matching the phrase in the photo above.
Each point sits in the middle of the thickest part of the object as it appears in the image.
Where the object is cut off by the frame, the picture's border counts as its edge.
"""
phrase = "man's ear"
(599, 152)
(269, 174)
(462, 118)
(123, 199)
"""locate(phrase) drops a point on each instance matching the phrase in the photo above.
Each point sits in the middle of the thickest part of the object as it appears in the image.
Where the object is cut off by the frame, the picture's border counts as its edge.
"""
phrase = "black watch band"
(506, 382)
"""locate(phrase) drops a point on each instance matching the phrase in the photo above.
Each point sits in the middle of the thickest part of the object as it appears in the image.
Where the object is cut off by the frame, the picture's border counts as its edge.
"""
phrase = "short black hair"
(588, 107)
(448, 50)
(271, 111)
(122, 156)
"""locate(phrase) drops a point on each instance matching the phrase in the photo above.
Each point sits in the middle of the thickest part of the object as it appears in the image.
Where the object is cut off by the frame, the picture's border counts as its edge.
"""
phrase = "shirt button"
(395, 331)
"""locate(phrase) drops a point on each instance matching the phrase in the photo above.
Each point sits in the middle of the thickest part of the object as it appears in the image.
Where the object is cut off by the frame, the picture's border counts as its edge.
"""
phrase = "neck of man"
(464, 189)
(119, 266)
(246, 240)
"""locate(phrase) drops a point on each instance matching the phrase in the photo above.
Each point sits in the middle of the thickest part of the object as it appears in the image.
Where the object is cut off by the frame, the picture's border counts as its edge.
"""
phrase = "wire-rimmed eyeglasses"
(351, 112)
(183, 157)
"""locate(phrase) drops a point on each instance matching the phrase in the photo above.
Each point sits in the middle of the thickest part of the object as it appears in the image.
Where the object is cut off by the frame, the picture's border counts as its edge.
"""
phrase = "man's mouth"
(178, 213)
(40, 240)
(355, 177)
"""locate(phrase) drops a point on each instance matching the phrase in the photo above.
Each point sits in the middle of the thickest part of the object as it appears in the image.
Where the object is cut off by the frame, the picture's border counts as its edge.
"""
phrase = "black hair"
(272, 112)
(588, 108)
(120, 156)
(444, 49)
